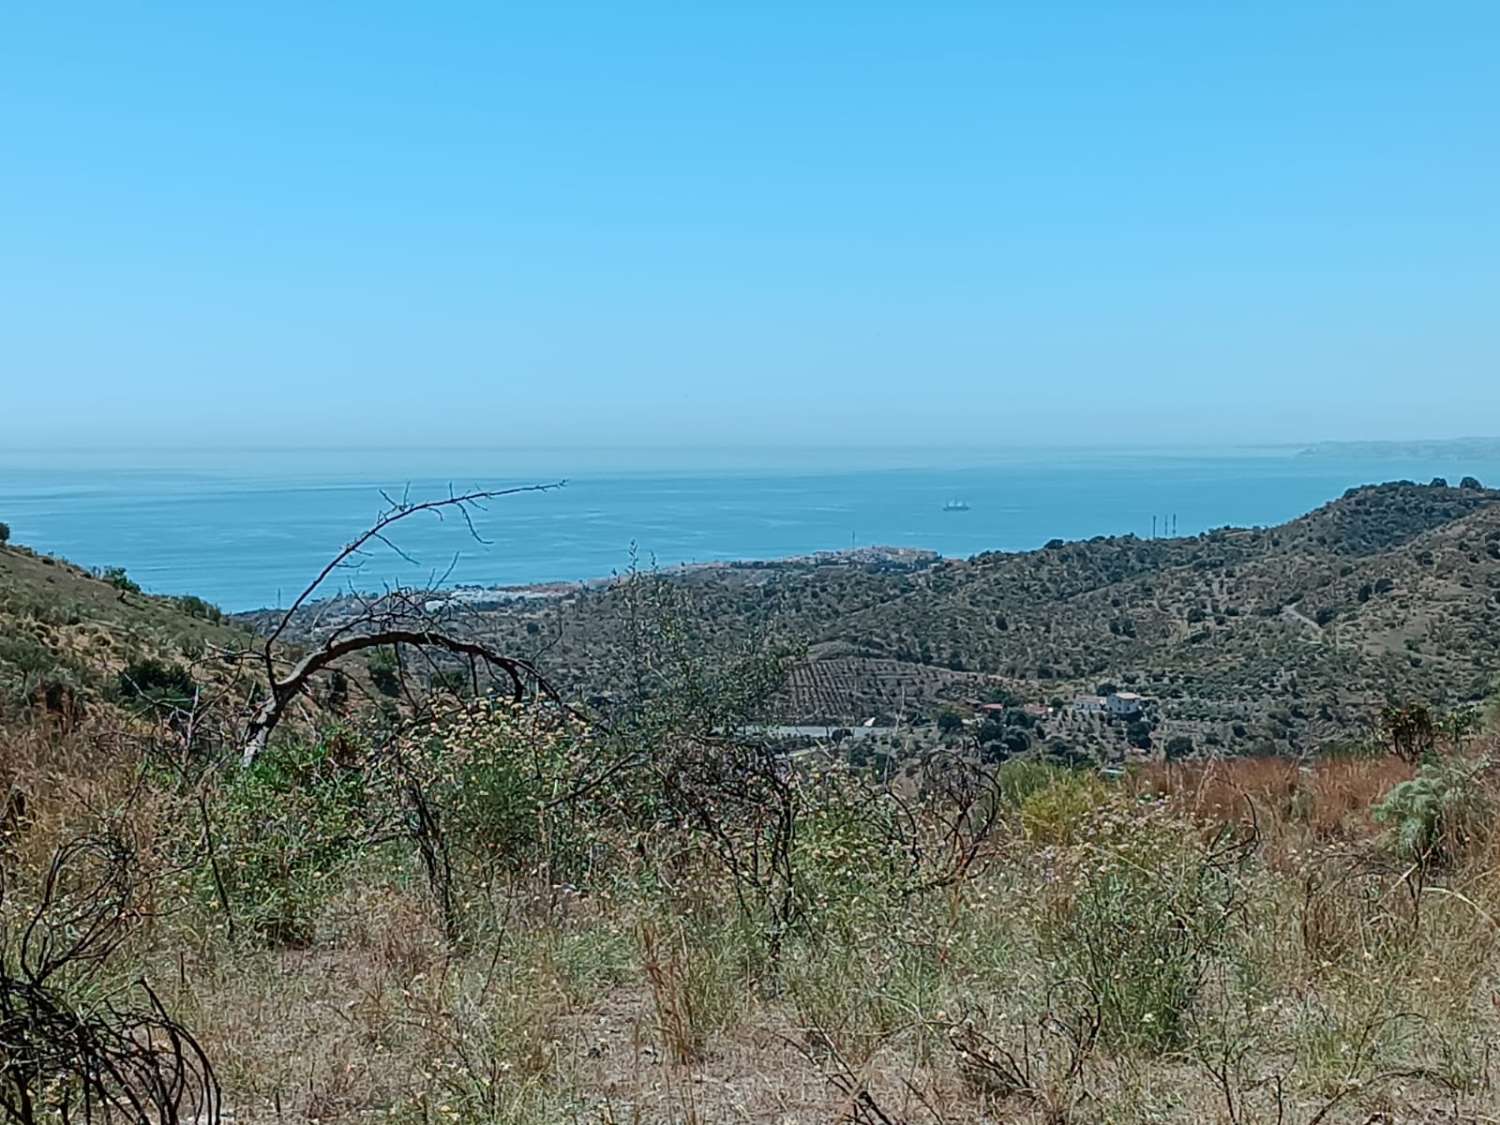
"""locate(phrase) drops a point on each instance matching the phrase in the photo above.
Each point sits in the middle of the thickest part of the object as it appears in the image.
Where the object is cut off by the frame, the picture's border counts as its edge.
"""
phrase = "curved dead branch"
(398, 510)
(400, 616)
(288, 687)
(66, 1057)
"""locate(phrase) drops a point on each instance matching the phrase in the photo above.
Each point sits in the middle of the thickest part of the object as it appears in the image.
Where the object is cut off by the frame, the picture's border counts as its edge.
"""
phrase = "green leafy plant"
(286, 828)
(195, 606)
(385, 671)
(116, 577)
(1019, 778)
(1139, 914)
(949, 722)
(1409, 730)
(151, 685)
(1432, 816)
(1058, 813)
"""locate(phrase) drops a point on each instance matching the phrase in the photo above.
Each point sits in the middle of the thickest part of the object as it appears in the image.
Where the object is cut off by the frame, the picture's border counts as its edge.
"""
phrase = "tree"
(1004, 695)
(156, 685)
(400, 616)
(1470, 483)
(4, 533)
(338, 690)
(949, 722)
(1178, 746)
(1017, 742)
(1409, 730)
(385, 671)
(993, 729)
(116, 577)
(1138, 734)
(451, 680)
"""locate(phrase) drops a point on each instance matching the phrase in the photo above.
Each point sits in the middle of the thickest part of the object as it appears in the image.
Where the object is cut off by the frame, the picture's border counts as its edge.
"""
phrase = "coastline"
(479, 596)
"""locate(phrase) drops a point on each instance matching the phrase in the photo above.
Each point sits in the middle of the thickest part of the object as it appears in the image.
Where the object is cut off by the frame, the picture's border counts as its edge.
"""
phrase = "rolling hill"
(1257, 638)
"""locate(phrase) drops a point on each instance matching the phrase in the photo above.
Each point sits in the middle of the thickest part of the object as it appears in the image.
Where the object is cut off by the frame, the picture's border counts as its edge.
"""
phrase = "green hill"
(66, 633)
(1271, 638)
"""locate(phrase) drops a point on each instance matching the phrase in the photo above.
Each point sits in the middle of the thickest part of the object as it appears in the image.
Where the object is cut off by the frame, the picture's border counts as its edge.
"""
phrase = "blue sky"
(554, 224)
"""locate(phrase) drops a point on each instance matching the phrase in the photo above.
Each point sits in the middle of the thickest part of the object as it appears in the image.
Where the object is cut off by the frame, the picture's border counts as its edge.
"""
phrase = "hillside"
(66, 634)
(1254, 638)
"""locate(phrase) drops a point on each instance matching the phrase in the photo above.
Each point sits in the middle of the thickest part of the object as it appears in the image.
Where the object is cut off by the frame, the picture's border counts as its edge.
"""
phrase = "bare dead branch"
(398, 510)
(399, 616)
(286, 688)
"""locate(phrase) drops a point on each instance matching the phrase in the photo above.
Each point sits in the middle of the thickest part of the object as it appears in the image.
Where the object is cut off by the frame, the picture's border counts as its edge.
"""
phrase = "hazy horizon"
(482, 464)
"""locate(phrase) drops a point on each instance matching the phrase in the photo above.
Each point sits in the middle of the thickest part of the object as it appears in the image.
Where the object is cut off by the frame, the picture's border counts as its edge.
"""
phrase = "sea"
(248, 529)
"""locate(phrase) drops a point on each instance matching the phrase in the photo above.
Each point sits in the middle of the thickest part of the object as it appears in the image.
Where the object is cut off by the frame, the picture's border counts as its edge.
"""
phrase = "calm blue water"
(252, 530)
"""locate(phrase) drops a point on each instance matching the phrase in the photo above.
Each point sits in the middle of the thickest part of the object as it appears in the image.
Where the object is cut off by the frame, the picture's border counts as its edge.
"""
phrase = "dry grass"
(1328, 801)
(1362, 989)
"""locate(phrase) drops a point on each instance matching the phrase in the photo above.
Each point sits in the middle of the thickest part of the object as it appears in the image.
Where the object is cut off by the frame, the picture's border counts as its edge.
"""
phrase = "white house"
(1090, 704)
(1124, 703)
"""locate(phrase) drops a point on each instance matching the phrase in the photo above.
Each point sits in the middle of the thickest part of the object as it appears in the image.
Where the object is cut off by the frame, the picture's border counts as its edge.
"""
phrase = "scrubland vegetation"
(503, 913)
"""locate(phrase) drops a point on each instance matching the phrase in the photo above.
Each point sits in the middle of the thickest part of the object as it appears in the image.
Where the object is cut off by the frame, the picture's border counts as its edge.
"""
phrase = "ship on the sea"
(956, 506)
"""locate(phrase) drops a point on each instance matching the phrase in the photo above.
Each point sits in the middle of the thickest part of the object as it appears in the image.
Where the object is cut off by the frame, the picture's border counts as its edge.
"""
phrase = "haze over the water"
(648, 224)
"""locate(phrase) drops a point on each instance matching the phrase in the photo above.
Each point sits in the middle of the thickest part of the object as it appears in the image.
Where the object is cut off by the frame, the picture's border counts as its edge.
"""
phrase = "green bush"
(116, 577)
(1137, 916)
(285, 831)
(385, 671)
(1178, 746)
(1058, 813)
(148, 684)
(493, 774)
(454, 681)
(1019, 778)
(4, 532)
(848, 844)
(1432, 816)
(197, 607)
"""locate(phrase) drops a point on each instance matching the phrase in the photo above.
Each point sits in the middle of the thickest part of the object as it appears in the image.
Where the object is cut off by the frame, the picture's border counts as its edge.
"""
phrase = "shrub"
(4, 532)
(285, 829)
(489, 772)
(1178, 746)
(1017, 780)
(1409, 730)
(385, 672)
(993, 729)
(1058, 813)
(149, 684)
(847, 842)
(1432, 816)
(451, 680)
(197, 607)
(116, 577)
(1138, 916)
